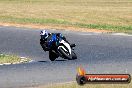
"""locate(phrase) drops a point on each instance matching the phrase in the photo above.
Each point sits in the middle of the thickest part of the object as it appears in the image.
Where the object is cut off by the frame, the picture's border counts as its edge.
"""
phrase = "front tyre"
(52, 56)
(65, 54)
(74, 56)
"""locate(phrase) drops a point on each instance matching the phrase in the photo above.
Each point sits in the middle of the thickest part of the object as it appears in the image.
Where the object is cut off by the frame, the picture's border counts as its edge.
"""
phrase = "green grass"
(75, 85)
(66, 23)
(10, 59)
(95, 14)
(33, 20)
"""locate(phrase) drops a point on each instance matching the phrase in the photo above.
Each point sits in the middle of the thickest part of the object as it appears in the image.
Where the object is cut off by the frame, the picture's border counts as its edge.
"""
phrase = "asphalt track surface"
(97, 53)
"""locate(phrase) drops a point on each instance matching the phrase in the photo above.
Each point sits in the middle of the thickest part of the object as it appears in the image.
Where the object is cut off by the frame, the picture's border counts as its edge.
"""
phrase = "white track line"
(121, 34)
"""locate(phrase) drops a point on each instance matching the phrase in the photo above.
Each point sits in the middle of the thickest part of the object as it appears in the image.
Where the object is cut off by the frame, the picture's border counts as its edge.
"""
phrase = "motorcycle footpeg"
(73, 45)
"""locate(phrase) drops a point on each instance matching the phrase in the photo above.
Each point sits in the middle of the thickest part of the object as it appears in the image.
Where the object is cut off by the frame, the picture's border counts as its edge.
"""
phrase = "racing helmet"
(44, 34)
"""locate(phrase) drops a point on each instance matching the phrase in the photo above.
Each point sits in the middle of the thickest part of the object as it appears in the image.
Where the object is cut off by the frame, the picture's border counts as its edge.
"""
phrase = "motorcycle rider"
(46, 37)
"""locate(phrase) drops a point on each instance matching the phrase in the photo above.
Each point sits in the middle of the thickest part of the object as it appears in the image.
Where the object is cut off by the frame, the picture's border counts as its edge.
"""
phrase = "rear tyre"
(52, 56)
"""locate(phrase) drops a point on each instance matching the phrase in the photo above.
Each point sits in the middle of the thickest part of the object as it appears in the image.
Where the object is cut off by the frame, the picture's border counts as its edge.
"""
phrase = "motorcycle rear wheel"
(52, 56)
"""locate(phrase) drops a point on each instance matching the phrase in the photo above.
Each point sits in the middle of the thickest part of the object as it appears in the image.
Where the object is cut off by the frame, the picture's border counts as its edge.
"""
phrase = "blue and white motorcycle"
(61, 48)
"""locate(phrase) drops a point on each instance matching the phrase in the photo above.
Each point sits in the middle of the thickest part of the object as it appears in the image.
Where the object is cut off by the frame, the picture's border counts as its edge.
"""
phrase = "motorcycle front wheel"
(64, 54)
(74, 56)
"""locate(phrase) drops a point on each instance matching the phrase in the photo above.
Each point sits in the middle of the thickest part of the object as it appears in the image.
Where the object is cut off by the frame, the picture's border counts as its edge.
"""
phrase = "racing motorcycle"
(61, 48)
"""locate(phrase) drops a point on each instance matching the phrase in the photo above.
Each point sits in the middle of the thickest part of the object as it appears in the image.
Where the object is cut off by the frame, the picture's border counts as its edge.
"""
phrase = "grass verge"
(12, 59)
(75, 85)
(60, 22)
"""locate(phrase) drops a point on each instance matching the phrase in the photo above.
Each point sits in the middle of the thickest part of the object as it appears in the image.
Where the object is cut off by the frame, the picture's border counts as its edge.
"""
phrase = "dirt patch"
(38, 26)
